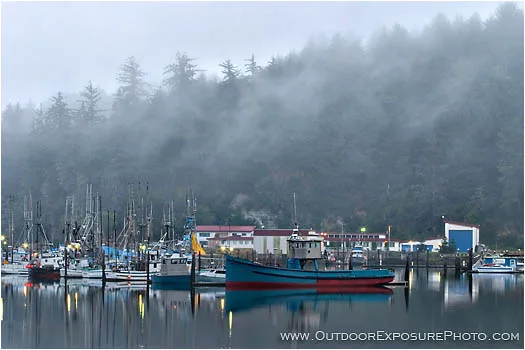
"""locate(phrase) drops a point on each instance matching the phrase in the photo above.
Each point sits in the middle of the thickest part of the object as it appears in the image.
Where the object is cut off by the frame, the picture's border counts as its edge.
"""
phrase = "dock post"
(199, 261)
(457, 263)
(470, 258)
(444, 267)
(192, 270)
(428, 253)
(65, 262)
(147, 271)
(103, 269)
(407, 267)
(350, 267)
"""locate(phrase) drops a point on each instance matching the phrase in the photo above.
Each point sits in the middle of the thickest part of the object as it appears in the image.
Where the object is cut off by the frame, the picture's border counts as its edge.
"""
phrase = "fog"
(375, 114)
(61, 45)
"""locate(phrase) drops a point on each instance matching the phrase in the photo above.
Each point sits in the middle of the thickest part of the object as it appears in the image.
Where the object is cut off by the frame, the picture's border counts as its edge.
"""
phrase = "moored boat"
(45, 267)
(495, 265)
(357, 257)
(211, 276)
(15, 268)
(173, 270)
(303, 251)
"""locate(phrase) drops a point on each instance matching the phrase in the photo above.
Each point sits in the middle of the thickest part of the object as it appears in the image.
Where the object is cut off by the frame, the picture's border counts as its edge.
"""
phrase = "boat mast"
(295, 224)
(11, 226)
(28, 218)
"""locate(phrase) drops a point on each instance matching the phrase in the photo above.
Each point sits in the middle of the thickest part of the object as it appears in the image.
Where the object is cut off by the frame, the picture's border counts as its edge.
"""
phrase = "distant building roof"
(231, 238)
(278, 232)
(460, 223)
(339, 239)
(223, 228)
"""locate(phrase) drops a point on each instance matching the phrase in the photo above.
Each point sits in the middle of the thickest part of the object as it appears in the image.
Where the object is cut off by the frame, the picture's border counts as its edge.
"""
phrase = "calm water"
(122, 316)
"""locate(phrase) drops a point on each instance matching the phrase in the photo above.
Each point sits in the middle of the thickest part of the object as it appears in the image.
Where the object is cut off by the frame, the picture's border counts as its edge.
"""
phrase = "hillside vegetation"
(400, 131)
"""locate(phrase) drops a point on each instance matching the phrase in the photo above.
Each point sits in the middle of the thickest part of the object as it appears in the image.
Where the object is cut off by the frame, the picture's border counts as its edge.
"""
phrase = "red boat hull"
(323, 284)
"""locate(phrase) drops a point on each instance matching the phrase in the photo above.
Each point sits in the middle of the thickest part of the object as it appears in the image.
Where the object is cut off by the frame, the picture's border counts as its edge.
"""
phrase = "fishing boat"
(46, 266)
(173, 270)
(492, 264)
(176, 269)
(357, 256)
(75, 268)
(303, 251)
(15, 268)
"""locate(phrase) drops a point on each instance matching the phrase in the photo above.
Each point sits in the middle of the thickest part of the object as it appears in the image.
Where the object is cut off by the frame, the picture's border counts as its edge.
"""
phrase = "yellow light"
(231, 249)
(230, 321)
(76, 300)
(25, 245)
(69, 246)
(141, 306)
(68, 300)
(24, 291)
(222, 304)
(223, 248)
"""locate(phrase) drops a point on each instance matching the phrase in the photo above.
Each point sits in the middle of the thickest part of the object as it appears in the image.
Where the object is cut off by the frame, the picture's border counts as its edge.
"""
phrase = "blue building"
(465, 236)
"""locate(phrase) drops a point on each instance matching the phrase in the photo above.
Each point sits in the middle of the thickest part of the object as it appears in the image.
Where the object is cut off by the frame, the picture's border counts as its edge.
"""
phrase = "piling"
(199, 262)
(428, 253)
(103, 268)
(192, 270)
(457, 266)
(407, 268)
(65, 262)
(350, 267)
(147, 271)
(470, 258)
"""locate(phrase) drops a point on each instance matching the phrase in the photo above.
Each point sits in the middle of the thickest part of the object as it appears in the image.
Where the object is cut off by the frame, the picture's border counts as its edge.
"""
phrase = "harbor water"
(436, 310)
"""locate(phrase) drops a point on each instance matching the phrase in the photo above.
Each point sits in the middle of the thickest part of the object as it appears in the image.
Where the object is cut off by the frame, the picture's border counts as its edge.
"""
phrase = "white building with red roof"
(210, 236)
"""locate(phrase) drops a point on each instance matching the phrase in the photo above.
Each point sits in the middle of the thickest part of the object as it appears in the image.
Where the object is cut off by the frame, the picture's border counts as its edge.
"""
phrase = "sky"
(58, 46)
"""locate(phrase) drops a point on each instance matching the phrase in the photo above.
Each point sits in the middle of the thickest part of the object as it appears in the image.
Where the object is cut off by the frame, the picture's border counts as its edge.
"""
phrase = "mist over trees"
(398, 131)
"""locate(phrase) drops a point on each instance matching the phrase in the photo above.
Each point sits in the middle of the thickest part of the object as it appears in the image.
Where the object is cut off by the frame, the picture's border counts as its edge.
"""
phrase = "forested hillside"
(398, 130)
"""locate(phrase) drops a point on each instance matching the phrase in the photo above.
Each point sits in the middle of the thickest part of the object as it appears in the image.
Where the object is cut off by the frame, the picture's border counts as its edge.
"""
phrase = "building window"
(204, 234)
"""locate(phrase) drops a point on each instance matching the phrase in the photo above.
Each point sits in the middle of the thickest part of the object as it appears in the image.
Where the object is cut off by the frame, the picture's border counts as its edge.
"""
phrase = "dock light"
(143, 247)
(25, 245)
(231, 249)
(3, 238)
(223, 249)
(363, 229)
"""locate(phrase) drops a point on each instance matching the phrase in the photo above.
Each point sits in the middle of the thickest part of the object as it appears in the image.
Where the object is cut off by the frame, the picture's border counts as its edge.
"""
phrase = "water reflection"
(307, 309)
(81, 314)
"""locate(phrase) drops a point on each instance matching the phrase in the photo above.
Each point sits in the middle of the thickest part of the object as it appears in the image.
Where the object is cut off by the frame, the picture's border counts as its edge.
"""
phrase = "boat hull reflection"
(239, 300)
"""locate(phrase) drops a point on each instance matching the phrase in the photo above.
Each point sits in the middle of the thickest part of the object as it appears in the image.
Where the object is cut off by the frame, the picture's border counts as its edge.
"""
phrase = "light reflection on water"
(81, 315)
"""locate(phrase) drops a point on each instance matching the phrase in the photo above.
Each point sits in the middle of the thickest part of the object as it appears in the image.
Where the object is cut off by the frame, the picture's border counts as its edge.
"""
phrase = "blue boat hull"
(184, 280)
(244, 274)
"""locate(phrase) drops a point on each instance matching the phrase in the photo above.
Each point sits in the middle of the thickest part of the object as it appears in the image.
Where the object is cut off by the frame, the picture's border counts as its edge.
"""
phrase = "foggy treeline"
(399, 130)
